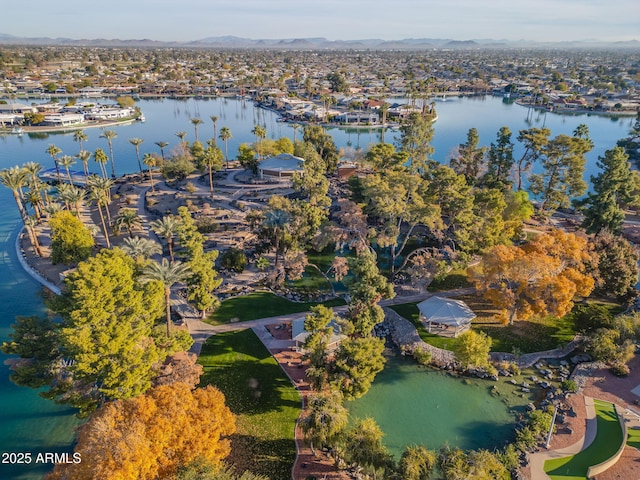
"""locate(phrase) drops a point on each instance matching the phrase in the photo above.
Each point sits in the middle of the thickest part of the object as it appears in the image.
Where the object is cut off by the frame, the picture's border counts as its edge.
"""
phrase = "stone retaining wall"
(529, 359)
(405, 335)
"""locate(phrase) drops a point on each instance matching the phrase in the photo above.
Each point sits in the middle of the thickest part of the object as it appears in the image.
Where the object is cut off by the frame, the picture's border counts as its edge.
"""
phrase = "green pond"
(416, 405)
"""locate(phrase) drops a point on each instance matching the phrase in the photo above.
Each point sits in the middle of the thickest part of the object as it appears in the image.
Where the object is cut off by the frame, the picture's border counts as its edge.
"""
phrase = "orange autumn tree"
(150, 436)
(539, 278)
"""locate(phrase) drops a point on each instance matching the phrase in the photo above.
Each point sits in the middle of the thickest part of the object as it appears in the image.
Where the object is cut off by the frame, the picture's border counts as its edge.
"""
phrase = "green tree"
(79, 136)
(247, 158)
(99, 189)
(196, 122)
(136, 142)
(326, 420)
(400, 200)
(317, 323)
(15, 178)
(225, 136)
(212, 159)
(105, 349)
(366, 288)
(364, 447)
(500, 161)
(471, 158)
(140, 248)
(234, 259)
(167, 274)
(533, 141)
(323, 144)
(260, 133)
(109, 135)
(357, 362)
(151, 161)
(384, 155)
(563, 164)
(472, 349)
(71, 240)
(67, 161)
(162, 146)
(181, 135)
(127, 219)
(416, 134)
(612, 188)
(167, 227)
(84, 156)
(417, 463)
(101, 159)
(617, 266)
(214, 121)
(54, 152)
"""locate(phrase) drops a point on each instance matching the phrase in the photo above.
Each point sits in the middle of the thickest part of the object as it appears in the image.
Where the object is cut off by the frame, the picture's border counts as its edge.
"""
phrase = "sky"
(188, 20)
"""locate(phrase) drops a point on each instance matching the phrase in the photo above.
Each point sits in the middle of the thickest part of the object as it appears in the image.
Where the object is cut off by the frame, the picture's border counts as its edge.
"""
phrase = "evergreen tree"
(416, 134)
(71, 240)
(500, 161)
(612, 187)
(471, 158)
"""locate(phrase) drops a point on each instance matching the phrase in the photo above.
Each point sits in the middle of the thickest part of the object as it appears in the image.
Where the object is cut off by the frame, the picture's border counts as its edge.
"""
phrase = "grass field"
(260, 394)
(260, 305)
(604, 446)
(525, 336)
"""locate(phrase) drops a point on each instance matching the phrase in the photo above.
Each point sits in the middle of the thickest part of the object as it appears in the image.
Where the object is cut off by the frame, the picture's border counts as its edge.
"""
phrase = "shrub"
(569, 386)
(190, 187)
(234, 259)
(422, 356)
(620, 369)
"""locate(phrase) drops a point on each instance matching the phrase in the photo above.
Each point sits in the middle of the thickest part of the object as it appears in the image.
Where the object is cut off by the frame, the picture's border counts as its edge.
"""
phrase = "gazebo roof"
(446, 311)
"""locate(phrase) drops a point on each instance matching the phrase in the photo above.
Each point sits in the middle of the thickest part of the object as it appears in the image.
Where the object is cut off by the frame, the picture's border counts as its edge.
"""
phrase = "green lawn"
(604, 446)
(528, 336)
(260, 305)
(260, 394)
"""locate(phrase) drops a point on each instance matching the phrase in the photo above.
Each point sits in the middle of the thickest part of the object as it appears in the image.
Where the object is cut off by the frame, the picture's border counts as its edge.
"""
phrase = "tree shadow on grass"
(273, 458)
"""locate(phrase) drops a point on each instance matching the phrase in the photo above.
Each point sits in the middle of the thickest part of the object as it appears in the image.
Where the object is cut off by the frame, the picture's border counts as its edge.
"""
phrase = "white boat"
(141, 118)
(17, 130)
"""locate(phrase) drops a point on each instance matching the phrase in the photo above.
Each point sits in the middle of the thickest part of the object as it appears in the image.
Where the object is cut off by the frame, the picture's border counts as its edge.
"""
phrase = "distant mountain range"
(316, 43)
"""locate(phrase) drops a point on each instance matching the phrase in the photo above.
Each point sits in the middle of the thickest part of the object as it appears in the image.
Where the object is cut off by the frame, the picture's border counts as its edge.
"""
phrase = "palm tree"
(79, 136)
(15, 178)
(212, 158)
(181, 136)
(167, 227)
(136, 143)
(214, 119)
(71, 195)
(168, 274)
(66, 161)
(99, 195)
(30, 223)
(33, 198)
(110, 135)
(196, 122)
(84, 156)
(260, 132)
(162, 145)
(150, 161)
(101, 158)
(104, 185)
(277, 220)
(33, 169)
(295, 127)
(54, 151)
(127, 219)
(225, 136)
(141, 249)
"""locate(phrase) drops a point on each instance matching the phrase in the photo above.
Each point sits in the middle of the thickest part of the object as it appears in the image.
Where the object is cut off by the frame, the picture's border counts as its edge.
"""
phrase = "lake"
(32, 424)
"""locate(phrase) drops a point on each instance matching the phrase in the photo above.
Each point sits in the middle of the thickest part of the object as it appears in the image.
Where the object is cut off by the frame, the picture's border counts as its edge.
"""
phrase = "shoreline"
(71, 128)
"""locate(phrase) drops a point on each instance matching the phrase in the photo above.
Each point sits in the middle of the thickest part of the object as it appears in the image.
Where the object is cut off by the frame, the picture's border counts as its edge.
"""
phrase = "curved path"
(537, 459)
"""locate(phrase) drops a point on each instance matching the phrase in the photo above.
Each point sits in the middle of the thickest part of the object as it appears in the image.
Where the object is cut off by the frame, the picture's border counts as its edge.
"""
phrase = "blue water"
(30, 423)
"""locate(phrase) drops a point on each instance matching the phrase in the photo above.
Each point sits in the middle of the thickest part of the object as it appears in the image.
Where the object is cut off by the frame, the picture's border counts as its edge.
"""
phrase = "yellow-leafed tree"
(539, 278)
(152, 435)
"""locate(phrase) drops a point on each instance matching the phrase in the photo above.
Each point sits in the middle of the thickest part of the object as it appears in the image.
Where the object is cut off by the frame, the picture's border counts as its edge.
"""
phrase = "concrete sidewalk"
(537, 459)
